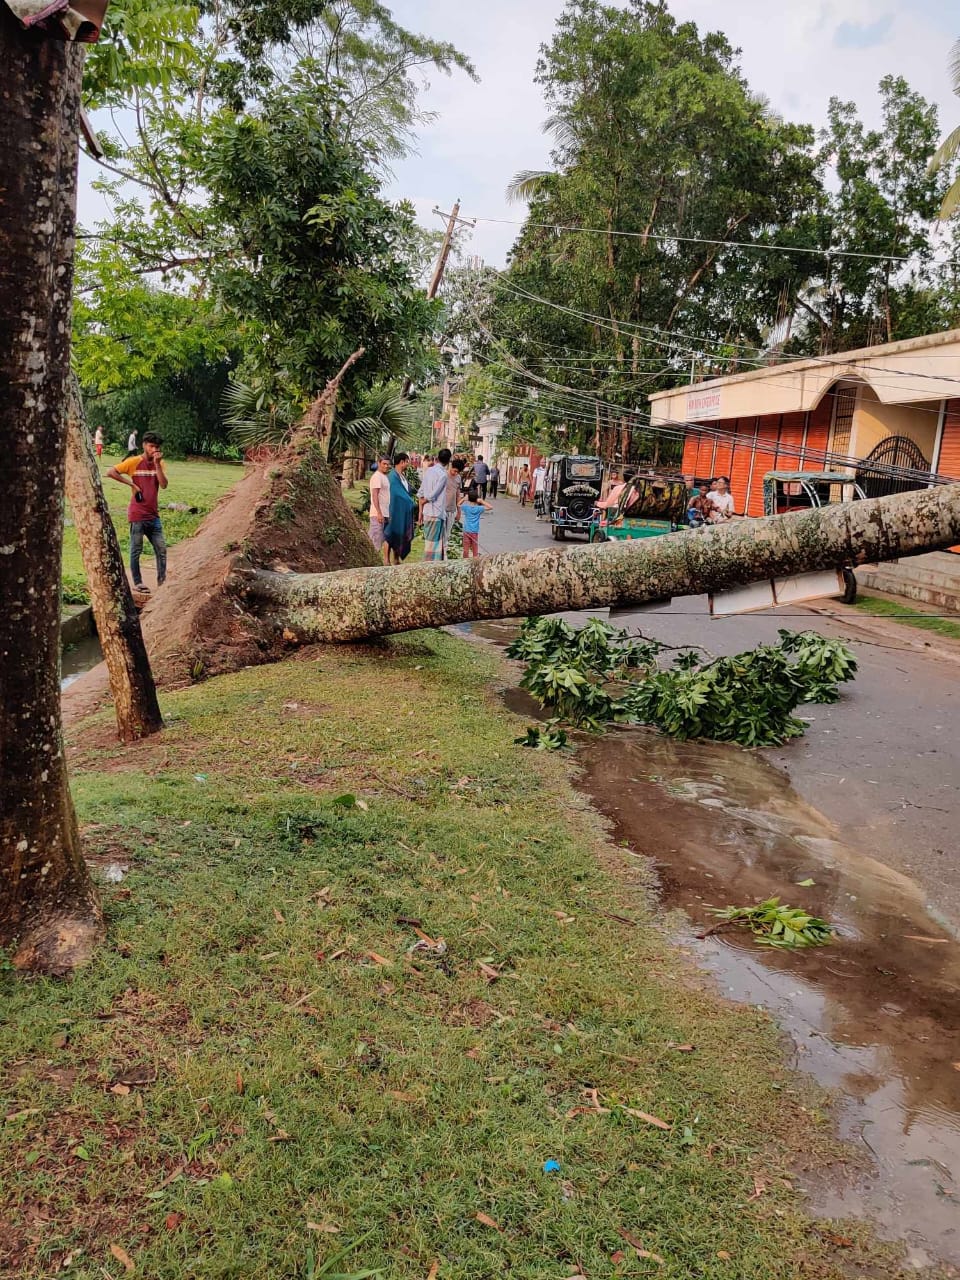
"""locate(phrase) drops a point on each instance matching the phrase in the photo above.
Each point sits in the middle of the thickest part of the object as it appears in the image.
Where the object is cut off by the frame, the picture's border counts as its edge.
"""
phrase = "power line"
(665, 237)
(616, 326)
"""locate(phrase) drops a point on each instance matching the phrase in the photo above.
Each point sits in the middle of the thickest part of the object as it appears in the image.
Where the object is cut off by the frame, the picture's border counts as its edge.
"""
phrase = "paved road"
(884, 763)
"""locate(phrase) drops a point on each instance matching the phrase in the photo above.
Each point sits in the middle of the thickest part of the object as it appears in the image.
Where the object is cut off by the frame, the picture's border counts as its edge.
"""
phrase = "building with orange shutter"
(895, 406)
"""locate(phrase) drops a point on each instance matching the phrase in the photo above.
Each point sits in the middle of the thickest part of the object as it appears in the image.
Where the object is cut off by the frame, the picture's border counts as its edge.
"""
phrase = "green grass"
(309, 1084)
(909, 617)
(197, 484)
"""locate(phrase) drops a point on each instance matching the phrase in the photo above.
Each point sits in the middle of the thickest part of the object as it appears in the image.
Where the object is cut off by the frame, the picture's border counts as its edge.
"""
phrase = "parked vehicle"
(574, 485)
(786, 491)
(649, 506)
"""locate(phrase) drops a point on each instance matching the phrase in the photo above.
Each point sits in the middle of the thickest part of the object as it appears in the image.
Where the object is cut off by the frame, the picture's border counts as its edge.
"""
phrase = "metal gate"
(898, 465)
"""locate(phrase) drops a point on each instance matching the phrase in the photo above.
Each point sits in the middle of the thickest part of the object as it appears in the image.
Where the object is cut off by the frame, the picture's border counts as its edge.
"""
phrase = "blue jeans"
(153, 531)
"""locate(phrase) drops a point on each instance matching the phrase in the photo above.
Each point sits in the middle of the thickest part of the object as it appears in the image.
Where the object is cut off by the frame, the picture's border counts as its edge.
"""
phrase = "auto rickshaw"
(648, 507)
(786, 491)
(574, 484)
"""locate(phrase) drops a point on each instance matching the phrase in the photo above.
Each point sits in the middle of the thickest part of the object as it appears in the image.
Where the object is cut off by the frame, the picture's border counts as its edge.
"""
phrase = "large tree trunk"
(48, 907)
(118, 622)
(357, 603)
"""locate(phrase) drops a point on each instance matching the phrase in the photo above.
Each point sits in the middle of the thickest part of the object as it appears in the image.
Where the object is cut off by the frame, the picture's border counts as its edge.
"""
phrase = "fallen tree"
(357, 603)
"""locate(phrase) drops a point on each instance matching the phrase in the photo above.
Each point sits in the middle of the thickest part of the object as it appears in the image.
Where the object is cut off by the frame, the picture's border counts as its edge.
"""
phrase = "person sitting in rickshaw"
(607, 506)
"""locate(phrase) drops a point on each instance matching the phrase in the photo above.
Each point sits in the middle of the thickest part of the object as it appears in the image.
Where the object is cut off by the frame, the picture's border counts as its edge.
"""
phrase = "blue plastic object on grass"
(551, 1166)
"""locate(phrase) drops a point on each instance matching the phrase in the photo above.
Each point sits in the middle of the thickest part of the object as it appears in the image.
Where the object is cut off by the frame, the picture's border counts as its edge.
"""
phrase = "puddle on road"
(874, 1017)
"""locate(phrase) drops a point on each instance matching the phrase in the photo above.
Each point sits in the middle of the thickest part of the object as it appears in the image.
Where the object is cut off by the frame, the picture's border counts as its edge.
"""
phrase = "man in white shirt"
(539, 489)
(433, 494)
(380, 505)
(721, 501)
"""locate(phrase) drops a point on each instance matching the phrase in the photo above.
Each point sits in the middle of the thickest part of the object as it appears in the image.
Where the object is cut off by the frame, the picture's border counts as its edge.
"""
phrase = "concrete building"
(898, 403)
(824, 412)
(489, 427)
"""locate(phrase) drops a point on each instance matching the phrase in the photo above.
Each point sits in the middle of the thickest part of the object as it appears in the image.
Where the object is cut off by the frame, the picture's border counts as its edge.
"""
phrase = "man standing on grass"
(433, 508)
(145, 475)
(380, 505)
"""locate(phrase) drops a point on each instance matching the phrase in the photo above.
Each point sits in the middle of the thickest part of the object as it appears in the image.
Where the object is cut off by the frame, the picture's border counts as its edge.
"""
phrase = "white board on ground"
(776, 591)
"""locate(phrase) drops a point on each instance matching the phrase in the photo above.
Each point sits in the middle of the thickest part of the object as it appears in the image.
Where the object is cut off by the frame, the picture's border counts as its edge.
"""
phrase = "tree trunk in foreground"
(118, 622)
(48, 907)
(357, 603)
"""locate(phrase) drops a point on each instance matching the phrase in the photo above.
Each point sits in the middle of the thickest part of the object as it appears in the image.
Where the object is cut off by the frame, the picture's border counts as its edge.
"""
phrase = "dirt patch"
(287, 513)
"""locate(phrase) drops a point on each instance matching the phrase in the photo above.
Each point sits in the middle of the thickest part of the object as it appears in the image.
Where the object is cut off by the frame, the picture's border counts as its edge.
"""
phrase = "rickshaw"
(574, 484)
(786, 491)
(648, 507)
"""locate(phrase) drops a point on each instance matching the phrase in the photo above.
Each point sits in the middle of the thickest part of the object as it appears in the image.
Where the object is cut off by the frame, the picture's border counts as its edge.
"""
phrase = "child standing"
(471, 509)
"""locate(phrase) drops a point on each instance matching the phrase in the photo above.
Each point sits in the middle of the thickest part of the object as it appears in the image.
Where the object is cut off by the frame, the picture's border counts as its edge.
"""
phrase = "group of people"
(713, 505)
(537, 483)
(449, 491)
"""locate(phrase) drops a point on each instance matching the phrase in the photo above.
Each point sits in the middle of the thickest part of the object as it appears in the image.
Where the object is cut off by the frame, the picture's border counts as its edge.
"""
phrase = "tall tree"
(49, 911)
(949, 149)
(663, 164)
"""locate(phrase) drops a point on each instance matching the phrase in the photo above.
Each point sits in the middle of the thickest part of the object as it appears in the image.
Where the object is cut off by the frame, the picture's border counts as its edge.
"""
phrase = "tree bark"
(118, 622)
(49, 913)
(357, 603)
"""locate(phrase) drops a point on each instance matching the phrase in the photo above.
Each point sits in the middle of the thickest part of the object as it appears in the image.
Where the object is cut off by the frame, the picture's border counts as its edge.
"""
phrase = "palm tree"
(949, 149)
(256, 418)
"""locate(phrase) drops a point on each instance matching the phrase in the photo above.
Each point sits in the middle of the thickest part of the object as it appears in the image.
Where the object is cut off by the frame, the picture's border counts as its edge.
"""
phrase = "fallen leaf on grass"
(489, 972)
(682, 1048)
(647, 1118)
(759, 1187)
(239, 1083)
(618, 1257)
(172, 1221)
(278, 916)
(587, 1111)
(806, 884)
(138, 1074)
(401, 1096)
(281, 1136)
(20, 1115)
(434, 1270)
(121, 1090)
(486, 1221)
(841, 1242)
(378, 959)
(326, 1227)
(636, 1245)
(723, 1255)
(122, 1257)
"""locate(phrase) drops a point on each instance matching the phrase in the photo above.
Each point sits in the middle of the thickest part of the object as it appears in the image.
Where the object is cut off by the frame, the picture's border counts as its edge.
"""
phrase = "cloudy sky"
(798, 53)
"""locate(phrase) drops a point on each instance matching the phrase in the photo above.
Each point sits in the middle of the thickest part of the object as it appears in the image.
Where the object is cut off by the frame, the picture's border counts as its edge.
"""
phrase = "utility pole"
(437, 277)
(439, 269)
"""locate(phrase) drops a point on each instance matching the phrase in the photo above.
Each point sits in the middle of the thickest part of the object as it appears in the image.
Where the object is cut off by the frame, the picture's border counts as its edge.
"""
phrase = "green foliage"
(75, 589)
(597, 674)
(544, 738)
(773, 925)
(183, 407)
(331, 269)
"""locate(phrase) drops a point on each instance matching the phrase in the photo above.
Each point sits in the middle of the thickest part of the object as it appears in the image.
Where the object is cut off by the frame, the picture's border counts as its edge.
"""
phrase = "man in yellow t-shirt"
(145, 475)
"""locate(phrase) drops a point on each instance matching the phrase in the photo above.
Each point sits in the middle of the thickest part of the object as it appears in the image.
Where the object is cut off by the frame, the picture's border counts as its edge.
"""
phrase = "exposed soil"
(286, 513)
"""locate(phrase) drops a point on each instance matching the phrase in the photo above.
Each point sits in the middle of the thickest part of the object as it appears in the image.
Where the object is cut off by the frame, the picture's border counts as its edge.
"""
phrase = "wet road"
(862, 806)
(883, 763)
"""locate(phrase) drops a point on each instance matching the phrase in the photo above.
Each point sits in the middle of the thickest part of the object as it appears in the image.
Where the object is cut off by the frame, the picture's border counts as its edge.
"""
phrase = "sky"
(797, 53)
